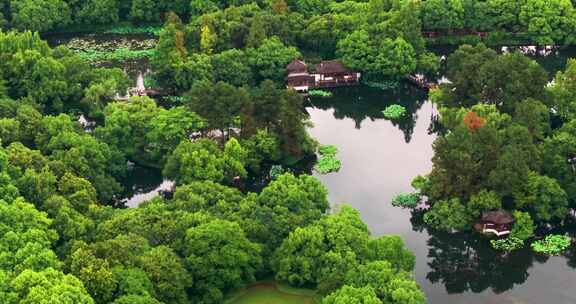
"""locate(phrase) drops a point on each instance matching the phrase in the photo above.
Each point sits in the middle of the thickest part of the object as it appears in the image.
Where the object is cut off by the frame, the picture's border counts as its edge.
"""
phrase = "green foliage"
(99, 12)
(231, 66)
(387, 58)
(394, 111)
(145, 11)
(53, 79)
(292, 202)
(128, 30)
(391, 248)
(319, 93)
(382, 84)
(209, 238)
(270, 59)
(220, 257)
(39, 16)
(552, 244)
(167, 272)
(204, 160)
(328, 150)
(261, 147)
(504, 80)
(442, 14)
(218, 103)
(448, 215)
(276, 171)
(352, 295)
(544, 197)
(121, 54)
(383, 264)
(562, 89)
(327, 164)
(508, 244)
(389, 284)
(483, 201)
(304, 259)
(36, 287)
(168, 128)
(523, 227)
(406, 200)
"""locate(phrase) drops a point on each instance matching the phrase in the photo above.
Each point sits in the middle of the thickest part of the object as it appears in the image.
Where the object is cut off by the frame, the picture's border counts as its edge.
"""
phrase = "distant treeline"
(537, 21)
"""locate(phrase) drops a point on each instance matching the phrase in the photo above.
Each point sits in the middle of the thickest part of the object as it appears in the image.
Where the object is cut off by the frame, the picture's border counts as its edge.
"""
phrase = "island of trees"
(505, 143)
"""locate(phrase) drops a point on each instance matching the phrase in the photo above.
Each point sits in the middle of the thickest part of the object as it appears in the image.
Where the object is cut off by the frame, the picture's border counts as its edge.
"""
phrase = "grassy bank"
(271, 292)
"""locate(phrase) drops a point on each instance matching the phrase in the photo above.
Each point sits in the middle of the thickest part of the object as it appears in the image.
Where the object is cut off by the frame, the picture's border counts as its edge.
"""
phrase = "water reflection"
(465, 261)
(361, 103)
(142, 184)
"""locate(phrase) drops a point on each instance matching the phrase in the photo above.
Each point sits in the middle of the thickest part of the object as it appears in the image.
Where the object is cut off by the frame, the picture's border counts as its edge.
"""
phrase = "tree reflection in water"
(361, 102)
(464, 261)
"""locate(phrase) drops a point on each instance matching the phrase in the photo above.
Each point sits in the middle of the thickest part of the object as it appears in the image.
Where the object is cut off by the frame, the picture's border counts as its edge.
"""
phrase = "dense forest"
(232, 138)
(63, 241)
(543, 22)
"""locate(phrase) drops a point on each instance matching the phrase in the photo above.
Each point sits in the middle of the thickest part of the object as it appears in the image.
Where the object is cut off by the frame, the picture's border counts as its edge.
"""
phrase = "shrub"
(507, 244)
(406, 200)
(394, 111)
(327, 164)
(319, 93)
(552, 244)
(523, 225)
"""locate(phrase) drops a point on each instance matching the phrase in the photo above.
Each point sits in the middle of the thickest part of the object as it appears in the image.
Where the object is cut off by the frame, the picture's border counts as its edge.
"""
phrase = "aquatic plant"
(319, 93)
(327, 164)
(406, 200)
(394, 111)
(552, 244)
(328, 150)
(508, 244)
(94, 50)
(382, 85)
(93, 43)
(116, 55)
(127, 30)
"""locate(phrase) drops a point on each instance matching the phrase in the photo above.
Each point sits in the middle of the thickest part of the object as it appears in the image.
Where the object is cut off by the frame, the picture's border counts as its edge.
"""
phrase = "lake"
(379, 159)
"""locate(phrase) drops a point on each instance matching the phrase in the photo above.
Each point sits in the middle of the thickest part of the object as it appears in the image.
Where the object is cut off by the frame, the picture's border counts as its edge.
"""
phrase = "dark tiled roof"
(297, 66)
(330, 67)
(498, 217)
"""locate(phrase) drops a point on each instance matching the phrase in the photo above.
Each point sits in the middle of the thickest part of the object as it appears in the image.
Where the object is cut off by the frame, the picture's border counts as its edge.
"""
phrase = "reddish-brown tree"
(473, 121)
